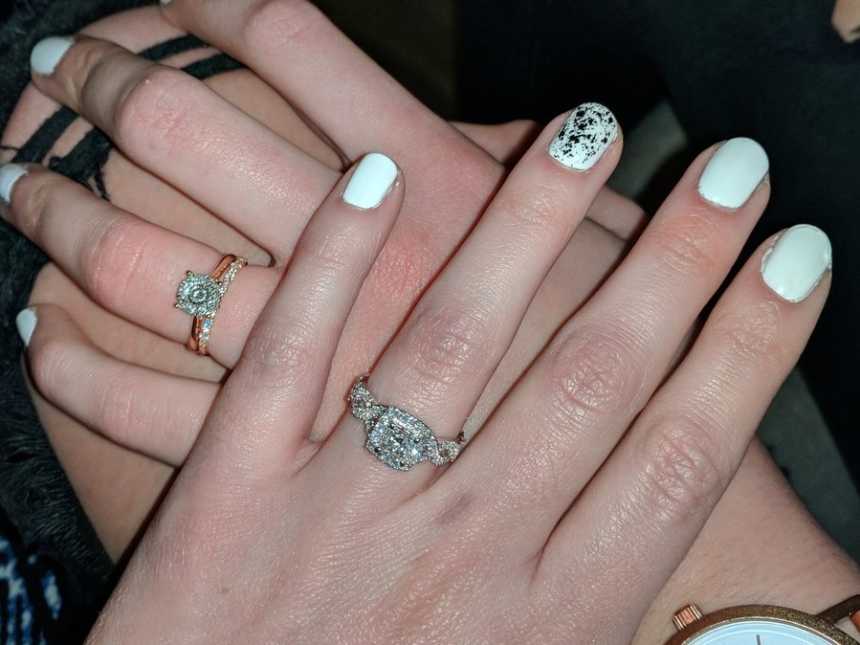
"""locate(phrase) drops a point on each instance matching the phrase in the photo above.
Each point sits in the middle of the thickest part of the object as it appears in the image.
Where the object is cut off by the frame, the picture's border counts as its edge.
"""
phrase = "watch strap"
(849, 608)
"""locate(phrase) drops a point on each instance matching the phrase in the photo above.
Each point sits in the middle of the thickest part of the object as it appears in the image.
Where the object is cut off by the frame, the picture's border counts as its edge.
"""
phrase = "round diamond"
(199, 295)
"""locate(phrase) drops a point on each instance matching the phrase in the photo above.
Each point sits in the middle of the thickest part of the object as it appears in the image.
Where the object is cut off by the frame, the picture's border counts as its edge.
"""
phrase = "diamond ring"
(200, 295)
(396, 438)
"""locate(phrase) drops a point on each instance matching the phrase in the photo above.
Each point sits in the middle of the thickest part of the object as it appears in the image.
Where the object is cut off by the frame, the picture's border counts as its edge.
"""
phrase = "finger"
(446, 352)
(659, 487)
(293, 46)
(567, 413)
(591, 255)
(506, 142)
(147, 411)
(277, 385)
(130, 267)
(620, 216)
(180, 130)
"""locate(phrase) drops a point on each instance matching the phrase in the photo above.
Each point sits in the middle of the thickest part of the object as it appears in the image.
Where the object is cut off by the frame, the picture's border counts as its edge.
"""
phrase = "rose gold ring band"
(201, 327)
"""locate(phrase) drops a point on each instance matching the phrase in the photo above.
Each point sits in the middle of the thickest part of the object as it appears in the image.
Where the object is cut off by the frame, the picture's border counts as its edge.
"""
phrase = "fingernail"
(164, 3)
(26, 322)
(797, 262)
(734, 172)
(48, 53)
(586, 134)
(371, 182)
(9, 176)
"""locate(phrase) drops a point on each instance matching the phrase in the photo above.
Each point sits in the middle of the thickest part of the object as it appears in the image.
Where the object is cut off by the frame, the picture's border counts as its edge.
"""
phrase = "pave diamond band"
(200, 295)
(398, 439)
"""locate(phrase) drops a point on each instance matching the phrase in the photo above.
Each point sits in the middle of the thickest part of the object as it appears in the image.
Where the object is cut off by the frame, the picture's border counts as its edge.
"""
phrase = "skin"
(846, 19)
(806, 534)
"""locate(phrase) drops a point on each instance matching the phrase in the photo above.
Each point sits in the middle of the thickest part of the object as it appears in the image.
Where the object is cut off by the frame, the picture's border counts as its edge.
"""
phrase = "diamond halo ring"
(395, 437)
(200, 295)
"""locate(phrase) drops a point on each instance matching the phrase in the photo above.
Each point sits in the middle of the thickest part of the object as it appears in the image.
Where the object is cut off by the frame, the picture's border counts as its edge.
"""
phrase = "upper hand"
(589, 480)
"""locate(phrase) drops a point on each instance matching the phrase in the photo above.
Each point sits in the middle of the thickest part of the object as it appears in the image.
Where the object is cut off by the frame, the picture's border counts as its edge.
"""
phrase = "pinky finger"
(652, 497)
(156, 414)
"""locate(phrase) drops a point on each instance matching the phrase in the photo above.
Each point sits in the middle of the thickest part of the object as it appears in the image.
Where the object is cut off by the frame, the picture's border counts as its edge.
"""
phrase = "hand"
(592, 477)
(455, 282)
(592, 252)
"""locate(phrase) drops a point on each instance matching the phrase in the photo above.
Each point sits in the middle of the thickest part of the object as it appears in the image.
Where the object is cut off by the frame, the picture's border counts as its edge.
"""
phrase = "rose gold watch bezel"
(813, 624)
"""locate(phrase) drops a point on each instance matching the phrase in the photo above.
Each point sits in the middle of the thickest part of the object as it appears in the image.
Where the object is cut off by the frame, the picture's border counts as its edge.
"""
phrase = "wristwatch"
(765, 625)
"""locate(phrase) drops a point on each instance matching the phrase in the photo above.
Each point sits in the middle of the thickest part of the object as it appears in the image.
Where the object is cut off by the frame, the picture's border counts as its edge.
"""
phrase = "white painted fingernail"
(371, 182)
(48, 53)
(9, 176)
(586, 134)
(797, 262)
(734, 172)
(26, 322)
(164, 3)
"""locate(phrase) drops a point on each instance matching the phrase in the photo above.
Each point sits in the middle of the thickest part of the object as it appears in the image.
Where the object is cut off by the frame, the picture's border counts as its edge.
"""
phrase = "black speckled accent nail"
(586, 134)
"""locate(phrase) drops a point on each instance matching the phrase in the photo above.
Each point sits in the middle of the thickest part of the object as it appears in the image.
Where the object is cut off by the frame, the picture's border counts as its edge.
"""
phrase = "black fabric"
(771, 69)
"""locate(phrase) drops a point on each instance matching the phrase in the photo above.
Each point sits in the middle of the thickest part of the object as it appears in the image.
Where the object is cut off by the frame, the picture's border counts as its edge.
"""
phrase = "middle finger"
(180, 130)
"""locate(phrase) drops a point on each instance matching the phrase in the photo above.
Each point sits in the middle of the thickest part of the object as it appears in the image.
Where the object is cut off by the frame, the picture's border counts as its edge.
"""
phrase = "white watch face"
(759, 632)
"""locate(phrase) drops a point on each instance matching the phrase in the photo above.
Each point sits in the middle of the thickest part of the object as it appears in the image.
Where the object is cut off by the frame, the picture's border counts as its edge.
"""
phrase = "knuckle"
(156, 109)
(447, 343)
(688, 244)
(51, 365)
(751, 336)
(112, 261)
(39, 206)
(593, 372)
(681, 466)
(540, 210)
(332, 253)
(116, 412)
(279, 354)
(271, 24)
(91, 61)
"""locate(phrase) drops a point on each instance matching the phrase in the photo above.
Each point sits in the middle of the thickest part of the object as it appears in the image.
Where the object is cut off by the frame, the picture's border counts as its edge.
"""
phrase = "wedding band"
(395, 437)
(200, 295)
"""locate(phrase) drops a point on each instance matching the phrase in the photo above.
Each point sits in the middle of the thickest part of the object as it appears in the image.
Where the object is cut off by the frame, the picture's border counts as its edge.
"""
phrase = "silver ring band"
(395, 437)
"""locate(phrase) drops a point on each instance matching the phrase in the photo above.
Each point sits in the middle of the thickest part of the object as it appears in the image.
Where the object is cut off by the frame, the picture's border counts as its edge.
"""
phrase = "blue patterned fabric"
(30, 599)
